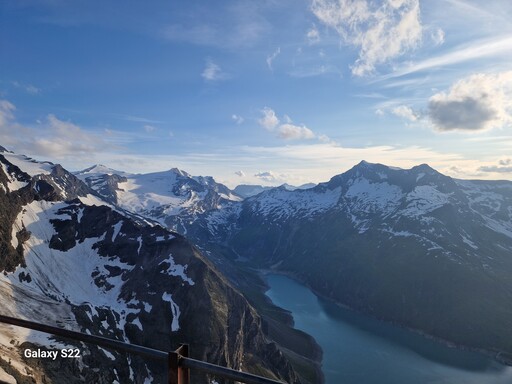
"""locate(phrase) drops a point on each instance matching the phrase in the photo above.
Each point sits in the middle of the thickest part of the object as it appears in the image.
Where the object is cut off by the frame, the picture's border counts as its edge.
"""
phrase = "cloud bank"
(53, 138)
(504, 166)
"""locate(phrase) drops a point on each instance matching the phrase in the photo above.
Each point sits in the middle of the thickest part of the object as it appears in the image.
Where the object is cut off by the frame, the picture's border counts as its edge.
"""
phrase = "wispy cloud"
(29, 88)
(212, 72)
(6, 112)
(480, 49)
(322, 161)
(137, 119)
(272, 57)
(53, 138)
(237, 119)
(381, 31)
(313, 35)
(405, 112)
(437, 36)
(243, 26)
(313, 70)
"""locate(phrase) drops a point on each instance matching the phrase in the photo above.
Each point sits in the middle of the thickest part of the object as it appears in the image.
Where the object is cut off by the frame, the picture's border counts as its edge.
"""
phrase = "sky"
(259, 92)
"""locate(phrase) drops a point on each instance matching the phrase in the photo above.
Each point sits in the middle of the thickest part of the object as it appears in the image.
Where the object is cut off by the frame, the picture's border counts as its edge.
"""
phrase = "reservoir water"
(360, 350)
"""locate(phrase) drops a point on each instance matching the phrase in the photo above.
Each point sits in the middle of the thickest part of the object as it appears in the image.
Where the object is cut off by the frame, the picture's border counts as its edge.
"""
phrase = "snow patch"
(175, 311)
(6, 378)
(424, 199)
(176, 270)
(28, 165)
(280, 203)
(108, 354)
(117, 229)
(136, 322)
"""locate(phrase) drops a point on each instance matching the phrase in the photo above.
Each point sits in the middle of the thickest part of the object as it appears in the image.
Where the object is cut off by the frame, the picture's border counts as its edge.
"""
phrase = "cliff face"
(70, 259)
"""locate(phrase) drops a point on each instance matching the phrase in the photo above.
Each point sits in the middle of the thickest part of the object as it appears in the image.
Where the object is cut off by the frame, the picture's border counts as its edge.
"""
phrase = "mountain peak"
(179, 172)
(99, 169)
(364, 167)
(2, 149)
(364, 163)
(424, 168)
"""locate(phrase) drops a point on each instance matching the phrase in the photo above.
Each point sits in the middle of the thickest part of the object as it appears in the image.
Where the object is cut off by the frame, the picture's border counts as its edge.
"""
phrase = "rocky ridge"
(71, 258)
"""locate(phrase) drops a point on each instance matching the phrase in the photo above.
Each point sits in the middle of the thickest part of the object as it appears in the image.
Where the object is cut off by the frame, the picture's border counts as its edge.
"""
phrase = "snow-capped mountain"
(411, 246)
(70, 258)
(170, 198)
(247, 190)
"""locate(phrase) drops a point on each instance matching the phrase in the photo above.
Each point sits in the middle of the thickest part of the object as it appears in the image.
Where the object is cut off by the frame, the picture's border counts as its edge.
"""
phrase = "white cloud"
(53, 138)
(269, 120)
(149, 128)
(313, 35)
(243, 24)
(268, 176)
(319, 162)
(29, 88)
(504, 166)
(137, 119)
(6, 112)
(495, 47)
(437, 36)
(478, 102)
(212, 72)
(405, 112)
(381, 31)
(287, 130)
(294, 132)
(240, 173)
(272, 57)
(237, 119)
(63, 139)
(312, 71)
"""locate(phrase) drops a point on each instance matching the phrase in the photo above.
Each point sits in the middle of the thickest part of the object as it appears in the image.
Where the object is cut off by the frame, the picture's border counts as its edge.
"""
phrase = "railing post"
(183, 372)
(177, 374)
(172, 368)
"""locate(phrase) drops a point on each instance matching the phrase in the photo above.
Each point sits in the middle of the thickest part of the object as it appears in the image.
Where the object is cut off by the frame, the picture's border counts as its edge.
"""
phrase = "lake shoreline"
(300, 348)
(497, 356)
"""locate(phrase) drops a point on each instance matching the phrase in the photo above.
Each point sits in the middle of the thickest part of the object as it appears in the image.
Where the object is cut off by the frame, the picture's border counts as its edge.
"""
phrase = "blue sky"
(263, 92)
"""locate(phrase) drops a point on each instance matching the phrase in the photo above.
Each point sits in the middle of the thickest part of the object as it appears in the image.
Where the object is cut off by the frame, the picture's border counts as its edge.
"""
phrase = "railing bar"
(98, 340)
(225, 372)
(186, 362)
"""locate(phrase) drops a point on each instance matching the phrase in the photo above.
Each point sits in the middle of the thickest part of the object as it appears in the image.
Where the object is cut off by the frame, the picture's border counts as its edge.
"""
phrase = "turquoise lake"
(358, 349)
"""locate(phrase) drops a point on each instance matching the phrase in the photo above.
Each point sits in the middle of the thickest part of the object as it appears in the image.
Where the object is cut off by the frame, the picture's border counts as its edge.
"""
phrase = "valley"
(165, 252)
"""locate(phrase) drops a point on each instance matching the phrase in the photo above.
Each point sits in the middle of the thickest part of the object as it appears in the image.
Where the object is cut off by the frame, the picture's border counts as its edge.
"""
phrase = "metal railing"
(179, 364)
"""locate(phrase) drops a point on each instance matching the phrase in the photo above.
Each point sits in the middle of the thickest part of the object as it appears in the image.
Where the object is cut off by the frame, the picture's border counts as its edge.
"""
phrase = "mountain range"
(409, 246)
(166, 251)
(72, 258)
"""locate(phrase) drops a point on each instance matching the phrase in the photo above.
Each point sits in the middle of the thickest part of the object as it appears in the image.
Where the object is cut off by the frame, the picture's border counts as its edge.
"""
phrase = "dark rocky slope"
(69, 258)
(413, 247)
